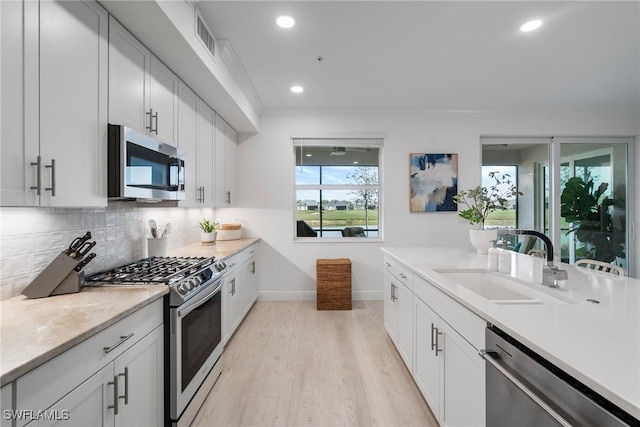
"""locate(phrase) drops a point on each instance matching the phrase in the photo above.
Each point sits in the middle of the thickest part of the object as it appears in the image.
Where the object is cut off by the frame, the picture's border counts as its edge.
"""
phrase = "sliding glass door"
(584, 206)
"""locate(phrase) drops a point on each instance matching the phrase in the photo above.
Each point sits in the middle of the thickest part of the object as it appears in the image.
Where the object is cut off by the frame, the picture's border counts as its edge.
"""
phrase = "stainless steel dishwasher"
(525, 390)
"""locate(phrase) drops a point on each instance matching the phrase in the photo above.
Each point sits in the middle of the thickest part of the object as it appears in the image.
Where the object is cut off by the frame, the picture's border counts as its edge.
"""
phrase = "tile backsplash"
(31, 237)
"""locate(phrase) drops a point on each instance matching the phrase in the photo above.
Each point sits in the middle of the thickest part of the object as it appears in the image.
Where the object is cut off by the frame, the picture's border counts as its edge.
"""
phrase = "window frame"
(350, 142)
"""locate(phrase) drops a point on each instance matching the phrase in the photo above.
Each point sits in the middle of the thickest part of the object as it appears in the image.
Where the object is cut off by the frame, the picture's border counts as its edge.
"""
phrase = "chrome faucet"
(550, 273)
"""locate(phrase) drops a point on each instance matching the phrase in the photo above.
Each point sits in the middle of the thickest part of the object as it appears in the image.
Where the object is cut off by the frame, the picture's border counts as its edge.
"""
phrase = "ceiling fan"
(341, 151)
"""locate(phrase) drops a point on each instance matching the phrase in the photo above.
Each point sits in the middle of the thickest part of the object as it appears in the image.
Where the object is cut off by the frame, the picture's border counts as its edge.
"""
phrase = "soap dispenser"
(493, 256)
(504, 259)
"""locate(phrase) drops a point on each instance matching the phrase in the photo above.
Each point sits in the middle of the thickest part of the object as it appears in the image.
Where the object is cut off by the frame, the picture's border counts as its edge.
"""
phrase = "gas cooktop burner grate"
(161, 270)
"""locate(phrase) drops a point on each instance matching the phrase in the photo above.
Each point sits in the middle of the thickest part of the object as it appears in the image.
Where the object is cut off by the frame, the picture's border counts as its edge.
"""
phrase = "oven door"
(196, 344)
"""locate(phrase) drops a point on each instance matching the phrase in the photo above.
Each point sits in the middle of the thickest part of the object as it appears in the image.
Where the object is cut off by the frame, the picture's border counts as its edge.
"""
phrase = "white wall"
(265, 183)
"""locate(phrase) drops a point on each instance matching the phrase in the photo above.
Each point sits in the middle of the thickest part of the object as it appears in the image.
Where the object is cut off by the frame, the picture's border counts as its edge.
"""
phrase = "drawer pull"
(123, 338)
(402, 276)
(387, 264)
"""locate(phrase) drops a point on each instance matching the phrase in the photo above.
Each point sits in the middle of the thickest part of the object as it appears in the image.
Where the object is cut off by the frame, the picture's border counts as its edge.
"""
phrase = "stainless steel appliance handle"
(115, 395)
(192, 305)
(38, 164)
(123, 338)
(486, 356)
(53, 177)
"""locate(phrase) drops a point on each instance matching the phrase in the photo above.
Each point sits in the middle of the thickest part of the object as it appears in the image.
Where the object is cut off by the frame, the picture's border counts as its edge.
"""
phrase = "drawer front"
(43, 386)
(461, 319)
(238, 259)
(399, 271)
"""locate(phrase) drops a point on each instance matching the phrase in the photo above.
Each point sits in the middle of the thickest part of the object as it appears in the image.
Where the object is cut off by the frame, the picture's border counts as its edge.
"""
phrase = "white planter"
(208, 238)
(481, 239)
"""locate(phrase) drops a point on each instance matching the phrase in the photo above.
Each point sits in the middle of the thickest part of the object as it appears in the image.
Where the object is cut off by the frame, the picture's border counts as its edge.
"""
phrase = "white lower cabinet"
(398, 309)
(444, 341)
(115, 378)
(6, 403)
(240, 289)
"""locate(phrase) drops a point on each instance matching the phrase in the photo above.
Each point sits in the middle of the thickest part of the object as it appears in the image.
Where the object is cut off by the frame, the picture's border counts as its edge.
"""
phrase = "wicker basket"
(333, 284)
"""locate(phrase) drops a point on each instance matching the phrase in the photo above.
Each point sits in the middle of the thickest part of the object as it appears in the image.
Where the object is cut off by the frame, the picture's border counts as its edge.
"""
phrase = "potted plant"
(208, 235)
(479, 202)
(587, 210)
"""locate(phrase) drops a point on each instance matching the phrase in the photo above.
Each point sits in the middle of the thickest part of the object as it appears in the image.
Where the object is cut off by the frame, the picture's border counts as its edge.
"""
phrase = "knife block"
(57, 278)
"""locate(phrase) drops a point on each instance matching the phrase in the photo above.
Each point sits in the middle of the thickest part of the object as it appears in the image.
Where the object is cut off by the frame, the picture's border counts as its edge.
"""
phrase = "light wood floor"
(291, 365)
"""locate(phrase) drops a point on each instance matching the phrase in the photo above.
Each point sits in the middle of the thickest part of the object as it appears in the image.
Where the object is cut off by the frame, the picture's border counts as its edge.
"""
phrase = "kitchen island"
(596, 343)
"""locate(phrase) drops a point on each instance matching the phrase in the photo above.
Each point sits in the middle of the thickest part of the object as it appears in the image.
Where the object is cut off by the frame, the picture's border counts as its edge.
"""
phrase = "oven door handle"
(192, 305)
(486, 355)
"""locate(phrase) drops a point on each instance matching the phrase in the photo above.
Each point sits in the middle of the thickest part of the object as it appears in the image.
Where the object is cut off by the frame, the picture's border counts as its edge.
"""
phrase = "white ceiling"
(447, 55)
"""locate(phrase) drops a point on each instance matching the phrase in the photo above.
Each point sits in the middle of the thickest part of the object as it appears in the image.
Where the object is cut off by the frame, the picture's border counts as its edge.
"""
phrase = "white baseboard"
(311, 295)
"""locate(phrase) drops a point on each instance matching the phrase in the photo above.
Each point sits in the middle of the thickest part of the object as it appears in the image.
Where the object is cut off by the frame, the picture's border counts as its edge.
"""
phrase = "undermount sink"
(501, 289)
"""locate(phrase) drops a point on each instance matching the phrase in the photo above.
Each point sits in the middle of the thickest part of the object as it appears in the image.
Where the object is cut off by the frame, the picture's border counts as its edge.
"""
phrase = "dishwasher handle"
(487, 355)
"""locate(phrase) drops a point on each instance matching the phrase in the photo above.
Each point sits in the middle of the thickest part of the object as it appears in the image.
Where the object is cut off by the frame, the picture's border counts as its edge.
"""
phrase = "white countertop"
(598, 344)
(221, 250)
(34, 331)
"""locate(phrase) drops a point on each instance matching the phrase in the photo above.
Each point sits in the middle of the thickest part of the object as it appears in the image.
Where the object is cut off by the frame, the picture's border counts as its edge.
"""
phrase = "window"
(575, 190)
(337, 188)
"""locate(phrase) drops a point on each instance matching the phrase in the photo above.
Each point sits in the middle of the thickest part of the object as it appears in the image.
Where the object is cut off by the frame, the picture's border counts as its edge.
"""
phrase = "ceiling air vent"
(204, 34)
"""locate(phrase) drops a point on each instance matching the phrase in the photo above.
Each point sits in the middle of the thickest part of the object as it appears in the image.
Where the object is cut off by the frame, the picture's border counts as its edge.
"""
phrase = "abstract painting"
(434, 182)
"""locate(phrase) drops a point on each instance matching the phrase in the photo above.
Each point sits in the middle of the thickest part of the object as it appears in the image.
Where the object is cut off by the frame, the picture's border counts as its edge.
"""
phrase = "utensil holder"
(157, 247)
(56, 279)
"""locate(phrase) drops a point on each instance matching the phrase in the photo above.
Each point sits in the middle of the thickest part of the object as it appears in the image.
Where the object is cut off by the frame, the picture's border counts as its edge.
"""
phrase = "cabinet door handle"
(156, 128)
(253, 267)
(53, 177)
(438, 333)
(228, 196)
(202, 194)
(393, 292)
(126, 385)
(115, 395)
(123, 338)
(38, 164)
(433, 342)
(233, 283)
(152, 116)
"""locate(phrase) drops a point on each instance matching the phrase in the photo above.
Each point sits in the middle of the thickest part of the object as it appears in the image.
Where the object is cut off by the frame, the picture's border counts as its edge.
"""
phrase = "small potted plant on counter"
(208, 235)
(479, 202)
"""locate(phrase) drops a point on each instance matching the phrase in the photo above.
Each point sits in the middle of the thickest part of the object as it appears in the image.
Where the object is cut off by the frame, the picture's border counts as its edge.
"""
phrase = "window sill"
(338, 240)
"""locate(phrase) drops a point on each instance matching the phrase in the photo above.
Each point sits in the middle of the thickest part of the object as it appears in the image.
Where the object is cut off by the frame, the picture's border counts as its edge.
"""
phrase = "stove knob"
(189, 285)
(197, 281)
(182, 289)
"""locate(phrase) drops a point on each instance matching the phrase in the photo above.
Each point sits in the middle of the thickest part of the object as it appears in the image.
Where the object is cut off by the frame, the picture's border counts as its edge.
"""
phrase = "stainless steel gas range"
(194, 325)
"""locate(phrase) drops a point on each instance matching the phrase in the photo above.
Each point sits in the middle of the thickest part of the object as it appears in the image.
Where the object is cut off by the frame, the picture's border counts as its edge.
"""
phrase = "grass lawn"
(501, 218)
(335, 218)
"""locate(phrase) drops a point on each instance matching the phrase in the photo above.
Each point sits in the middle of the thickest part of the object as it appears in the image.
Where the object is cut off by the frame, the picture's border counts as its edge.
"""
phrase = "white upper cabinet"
(196, 135)
(59, 159)
(206, 138)
(129, 63)
(225, 163)
(143, 93)
(163, 101)
(187, 141)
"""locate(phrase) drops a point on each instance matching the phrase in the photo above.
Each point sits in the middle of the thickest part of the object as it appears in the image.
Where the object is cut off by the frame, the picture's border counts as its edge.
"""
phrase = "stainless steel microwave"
(142, 167)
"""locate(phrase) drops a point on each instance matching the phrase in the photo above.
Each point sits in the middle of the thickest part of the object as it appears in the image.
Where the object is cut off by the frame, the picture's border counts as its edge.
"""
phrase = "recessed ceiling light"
(309, 155)
(285, 21)
(297, 89)
(355, 163)
(531, 25)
